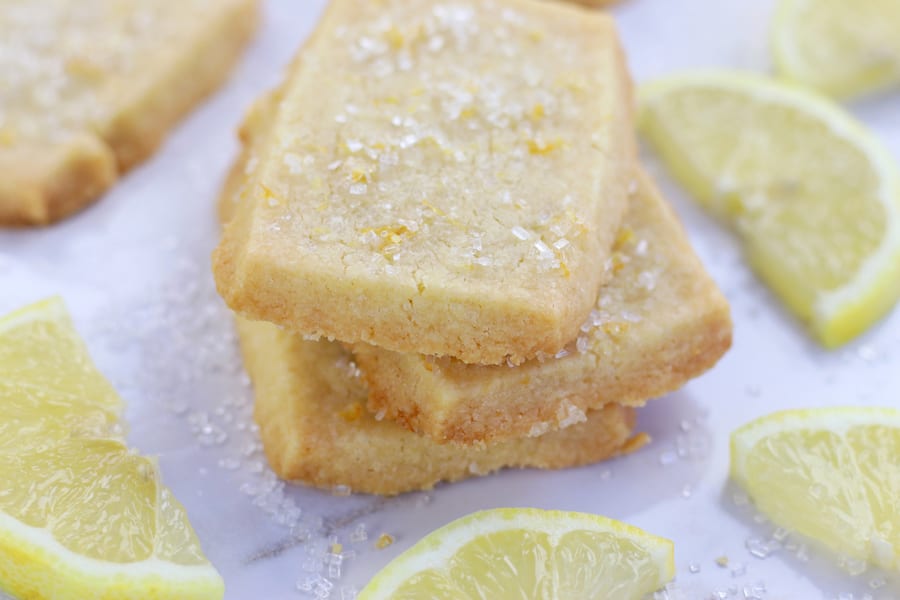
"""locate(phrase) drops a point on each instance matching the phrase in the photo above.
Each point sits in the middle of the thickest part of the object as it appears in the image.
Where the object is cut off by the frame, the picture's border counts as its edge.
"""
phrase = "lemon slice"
(815, 198)
(842, 48)
(832, 474)
(81, 516)
(528, 553)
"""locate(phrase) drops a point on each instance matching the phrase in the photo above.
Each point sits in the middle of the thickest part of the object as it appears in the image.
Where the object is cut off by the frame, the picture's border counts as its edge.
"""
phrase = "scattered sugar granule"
(568, 414)
(359, 534)
(539, 429)
(520, 232)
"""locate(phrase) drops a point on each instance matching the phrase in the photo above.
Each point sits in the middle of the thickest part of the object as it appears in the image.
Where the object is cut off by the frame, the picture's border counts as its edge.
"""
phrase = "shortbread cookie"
(310, 407)
(88, 89)
(659, 322)
(441, 178)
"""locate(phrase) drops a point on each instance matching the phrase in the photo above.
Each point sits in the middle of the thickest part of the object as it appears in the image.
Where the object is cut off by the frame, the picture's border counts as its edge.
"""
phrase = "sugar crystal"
(539, 429)
(483, 261)
(853, 566)
(876, 583)
(293, 162)
(307, 582)
(582, 344)
(867, 353)
(520, 233)
(762, 549)
(340, 490)
(359, 534)
(757, 591)
(667, 457)
(229, 464)
(323, 588)
(544, 251)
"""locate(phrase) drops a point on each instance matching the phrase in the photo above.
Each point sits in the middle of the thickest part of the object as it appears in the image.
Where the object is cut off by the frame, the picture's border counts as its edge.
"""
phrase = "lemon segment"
(831, 474)
(81, 515)
(528, 553)
(814, 197)
(841, 48)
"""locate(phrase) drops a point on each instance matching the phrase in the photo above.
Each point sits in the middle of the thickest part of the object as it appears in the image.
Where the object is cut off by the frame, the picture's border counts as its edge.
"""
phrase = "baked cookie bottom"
(310, 407)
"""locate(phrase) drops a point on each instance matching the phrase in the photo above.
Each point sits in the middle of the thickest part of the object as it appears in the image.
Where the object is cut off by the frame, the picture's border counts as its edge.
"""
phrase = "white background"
(134, 272)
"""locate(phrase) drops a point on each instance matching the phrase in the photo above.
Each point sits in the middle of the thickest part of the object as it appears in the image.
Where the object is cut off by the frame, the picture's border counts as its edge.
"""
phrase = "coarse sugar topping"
(620, 306)
(471, 134)
(66, 67)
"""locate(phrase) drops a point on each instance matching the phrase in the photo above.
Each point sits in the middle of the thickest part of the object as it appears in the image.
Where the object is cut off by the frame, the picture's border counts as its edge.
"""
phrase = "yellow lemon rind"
(34, 565)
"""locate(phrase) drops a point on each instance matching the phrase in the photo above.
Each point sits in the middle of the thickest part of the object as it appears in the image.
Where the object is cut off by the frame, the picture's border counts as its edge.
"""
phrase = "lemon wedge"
(831, 474)
(81, 515)
(528, 553)
(841, 48)
(813, 195)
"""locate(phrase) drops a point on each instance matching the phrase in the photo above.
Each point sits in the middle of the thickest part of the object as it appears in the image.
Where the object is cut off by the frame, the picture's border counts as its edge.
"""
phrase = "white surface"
(134, 272)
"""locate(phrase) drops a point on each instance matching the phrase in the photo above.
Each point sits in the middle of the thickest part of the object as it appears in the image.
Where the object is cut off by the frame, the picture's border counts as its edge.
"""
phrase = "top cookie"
(439, 178)
(89, 88)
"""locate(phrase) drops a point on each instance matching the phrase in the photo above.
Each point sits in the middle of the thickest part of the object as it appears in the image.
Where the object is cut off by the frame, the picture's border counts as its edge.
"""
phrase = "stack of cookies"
(443, 254)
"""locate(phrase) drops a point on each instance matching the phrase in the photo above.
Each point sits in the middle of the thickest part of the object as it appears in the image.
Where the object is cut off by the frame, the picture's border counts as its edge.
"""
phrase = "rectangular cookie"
(440, 178)
(90, 88)
(310, 409)
(660, 321)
